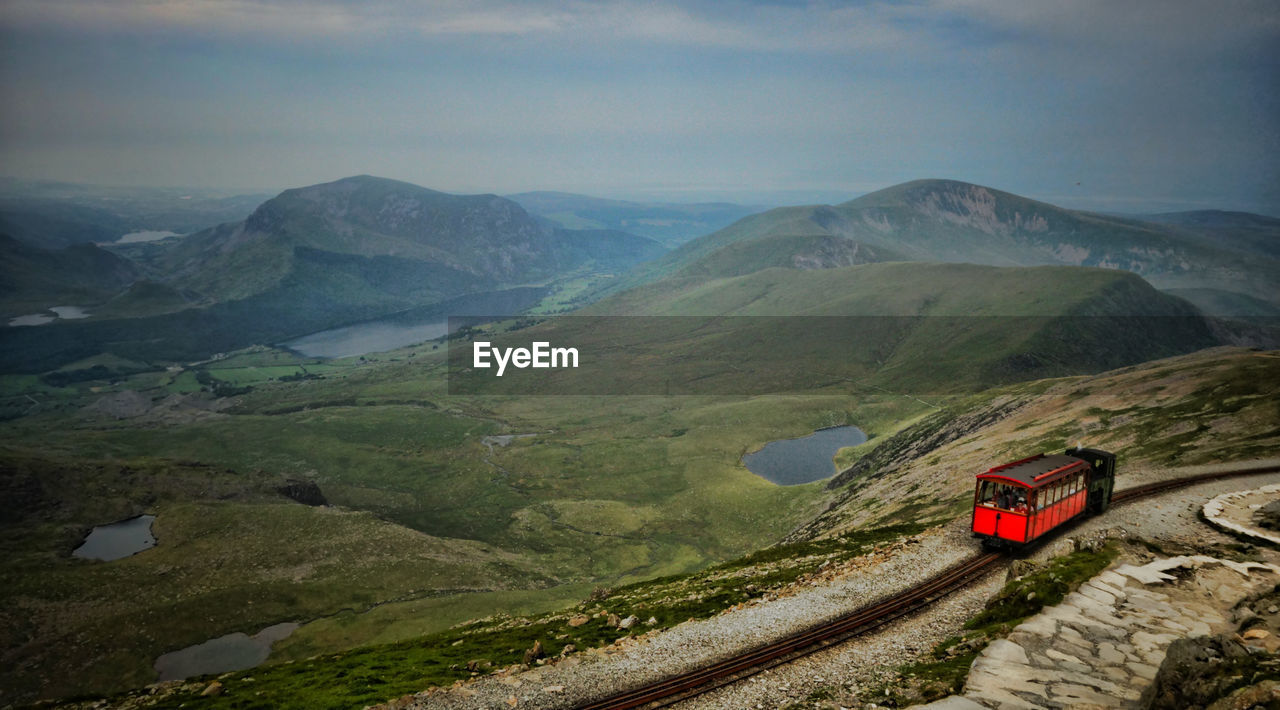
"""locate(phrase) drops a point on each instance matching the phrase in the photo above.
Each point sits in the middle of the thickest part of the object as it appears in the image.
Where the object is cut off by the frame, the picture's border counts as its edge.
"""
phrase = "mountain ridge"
(953, 221)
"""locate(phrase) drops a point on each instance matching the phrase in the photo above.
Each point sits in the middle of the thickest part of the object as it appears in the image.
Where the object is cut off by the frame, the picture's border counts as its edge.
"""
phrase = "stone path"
(1102, 645)
(1234, 512)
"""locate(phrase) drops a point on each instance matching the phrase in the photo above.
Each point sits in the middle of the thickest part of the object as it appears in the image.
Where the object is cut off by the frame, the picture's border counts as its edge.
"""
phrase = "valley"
(527, 355)
(459, 519)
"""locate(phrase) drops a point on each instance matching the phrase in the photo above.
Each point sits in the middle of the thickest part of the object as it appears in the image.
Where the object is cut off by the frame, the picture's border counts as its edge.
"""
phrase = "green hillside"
(491, 239)
(949, 221)
(903, 325)
(33, 279)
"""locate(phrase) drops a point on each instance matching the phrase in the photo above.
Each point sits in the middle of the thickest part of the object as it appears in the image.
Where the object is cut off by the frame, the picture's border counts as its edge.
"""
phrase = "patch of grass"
(1025, 597)
(377, 673)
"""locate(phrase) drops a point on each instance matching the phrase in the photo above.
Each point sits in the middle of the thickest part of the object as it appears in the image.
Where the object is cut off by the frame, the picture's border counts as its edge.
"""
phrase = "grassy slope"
(943, 220)
(952, 327)
(1211, 406)
(610, 491)
(657, 478)
(233, 556)
(381, 672)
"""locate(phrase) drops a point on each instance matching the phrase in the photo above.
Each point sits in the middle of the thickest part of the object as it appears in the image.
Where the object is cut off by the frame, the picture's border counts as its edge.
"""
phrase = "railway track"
(858, 622)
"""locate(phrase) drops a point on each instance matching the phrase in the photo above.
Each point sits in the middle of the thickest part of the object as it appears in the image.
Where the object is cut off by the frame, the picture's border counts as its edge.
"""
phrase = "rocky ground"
(841, 676)
(1253, 514)
(1104, 644)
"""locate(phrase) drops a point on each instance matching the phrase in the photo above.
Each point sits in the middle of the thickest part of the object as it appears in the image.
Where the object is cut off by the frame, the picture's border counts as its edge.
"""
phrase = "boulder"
(1197, 671)
(532, 654)
(1268, 516)
(1262, 695)
(305, 492)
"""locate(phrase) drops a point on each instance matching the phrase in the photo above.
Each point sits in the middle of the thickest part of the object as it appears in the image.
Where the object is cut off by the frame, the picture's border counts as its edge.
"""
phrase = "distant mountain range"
(57, 214)
(670, 223)
(1226, 263)
(363, 247)
(384, 240)
(319, 256)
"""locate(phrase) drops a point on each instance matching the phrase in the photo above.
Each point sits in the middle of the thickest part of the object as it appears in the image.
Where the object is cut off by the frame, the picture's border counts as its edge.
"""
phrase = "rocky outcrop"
(1231, 671)
(305, 492)
(1268, 516)
(923, 438)
(533, 653)
(1200, 672)
(1104, 644)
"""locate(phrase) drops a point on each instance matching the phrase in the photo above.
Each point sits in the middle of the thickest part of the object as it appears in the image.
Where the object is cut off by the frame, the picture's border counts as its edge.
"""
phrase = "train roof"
(1036, 471)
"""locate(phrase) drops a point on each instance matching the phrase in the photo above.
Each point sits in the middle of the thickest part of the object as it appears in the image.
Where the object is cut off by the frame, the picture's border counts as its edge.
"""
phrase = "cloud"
(818, 26)
(815, 27)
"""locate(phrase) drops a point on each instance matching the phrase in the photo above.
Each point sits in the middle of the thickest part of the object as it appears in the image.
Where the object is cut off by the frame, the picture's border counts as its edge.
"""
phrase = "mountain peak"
(939, 191)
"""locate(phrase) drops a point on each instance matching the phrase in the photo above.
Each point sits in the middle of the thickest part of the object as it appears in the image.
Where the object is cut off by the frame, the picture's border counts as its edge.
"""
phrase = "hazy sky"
(1124, 105)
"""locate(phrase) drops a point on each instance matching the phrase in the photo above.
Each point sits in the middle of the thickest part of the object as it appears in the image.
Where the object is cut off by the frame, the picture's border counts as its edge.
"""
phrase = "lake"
(70, 312)
(32, 319)
(790, 462)
(417, 325)
(233, 652)
(59, 312)
(146, 235)
(117, 540)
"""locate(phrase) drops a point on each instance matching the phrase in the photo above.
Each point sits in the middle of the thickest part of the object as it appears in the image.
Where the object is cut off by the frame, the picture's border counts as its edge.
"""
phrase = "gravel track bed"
(859, 662)
(594, 673)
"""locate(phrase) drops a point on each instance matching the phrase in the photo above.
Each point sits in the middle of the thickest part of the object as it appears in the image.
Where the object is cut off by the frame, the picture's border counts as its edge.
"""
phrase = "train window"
(987, 493)
(1001, 495)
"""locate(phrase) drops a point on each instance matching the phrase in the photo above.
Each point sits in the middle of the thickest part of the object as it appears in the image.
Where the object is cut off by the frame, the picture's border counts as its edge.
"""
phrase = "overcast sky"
(1128, 106)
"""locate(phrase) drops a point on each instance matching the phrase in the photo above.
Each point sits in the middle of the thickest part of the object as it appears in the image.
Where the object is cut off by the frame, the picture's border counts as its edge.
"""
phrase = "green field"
(432, 525)
(433, 521)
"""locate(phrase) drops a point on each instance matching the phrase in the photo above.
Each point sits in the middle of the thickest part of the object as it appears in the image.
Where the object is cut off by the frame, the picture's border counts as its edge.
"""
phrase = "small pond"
(32, 319)
(790, 462)
(58, 312)
(117, 540)
(70, 312)
(233, 652)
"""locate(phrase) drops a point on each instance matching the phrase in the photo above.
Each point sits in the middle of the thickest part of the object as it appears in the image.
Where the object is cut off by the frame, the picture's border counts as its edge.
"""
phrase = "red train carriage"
(1018, 502)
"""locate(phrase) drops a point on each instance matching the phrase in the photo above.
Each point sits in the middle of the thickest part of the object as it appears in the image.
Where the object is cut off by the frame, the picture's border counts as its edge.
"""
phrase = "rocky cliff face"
(305, 492)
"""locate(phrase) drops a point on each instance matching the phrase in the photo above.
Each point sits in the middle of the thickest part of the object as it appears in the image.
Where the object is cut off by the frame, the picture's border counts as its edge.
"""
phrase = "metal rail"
(857, 622)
